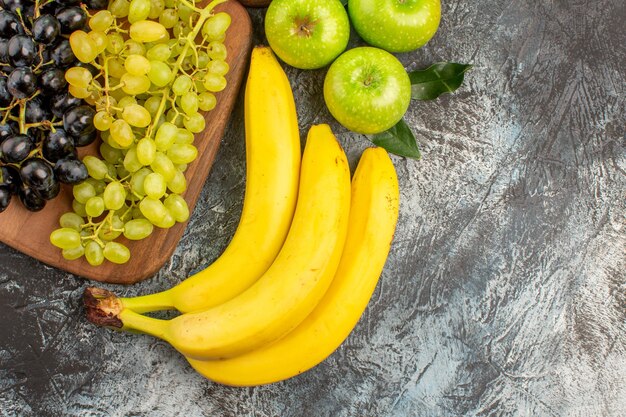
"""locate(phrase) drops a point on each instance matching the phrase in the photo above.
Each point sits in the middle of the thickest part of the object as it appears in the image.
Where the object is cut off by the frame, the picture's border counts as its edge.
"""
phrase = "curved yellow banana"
(373, 216)
(291, 287)
(272, 171)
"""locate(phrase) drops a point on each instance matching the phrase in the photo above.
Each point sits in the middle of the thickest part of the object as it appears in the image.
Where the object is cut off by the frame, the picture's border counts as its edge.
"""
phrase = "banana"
(287, 292)
(272, 171)
(372, 221)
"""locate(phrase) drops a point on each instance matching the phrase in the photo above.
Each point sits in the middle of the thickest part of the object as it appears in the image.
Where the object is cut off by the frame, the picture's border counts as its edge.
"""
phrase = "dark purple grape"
(6, 130)
(21, 82)
(4, 52)
(70, 171)
(61, 53)
(14, 5)
(78, 121)
(52, 80)
(46, 28)
(9, 24)
(30, 198)
(16, 148)
(9, 177)
(22, 51)
(93, 70)
(5, 96)
(86, 139)
(97, 4)
(63, 101)
(36, 173)
(71, 19)
(37, 111)
(5, 197)
(51, 191)
(58, 145)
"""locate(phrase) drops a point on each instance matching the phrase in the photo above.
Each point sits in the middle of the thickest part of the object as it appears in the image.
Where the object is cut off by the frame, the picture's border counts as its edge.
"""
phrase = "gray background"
(504, 293)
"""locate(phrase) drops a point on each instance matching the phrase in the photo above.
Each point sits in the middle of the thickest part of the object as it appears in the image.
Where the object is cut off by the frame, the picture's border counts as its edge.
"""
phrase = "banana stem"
(147, 303)
(144, 324)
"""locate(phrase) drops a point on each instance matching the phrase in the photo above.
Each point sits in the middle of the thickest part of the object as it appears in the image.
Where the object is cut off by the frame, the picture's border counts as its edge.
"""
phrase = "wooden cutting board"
(29, 232)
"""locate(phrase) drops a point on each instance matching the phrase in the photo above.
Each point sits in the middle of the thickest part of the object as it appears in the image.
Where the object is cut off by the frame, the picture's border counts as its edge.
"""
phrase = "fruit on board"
(272, 172)
(367, 90)
(307, 34)
(395, 25)
(372, 221)
(146, 85)
(34, 97)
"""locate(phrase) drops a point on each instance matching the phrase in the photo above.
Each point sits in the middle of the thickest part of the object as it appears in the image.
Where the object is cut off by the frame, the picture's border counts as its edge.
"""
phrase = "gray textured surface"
(504, 294)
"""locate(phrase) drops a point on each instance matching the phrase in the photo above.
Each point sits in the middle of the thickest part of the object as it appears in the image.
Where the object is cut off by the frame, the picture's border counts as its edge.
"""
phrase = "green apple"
(395, 25)
(367, 90)
(307, 34)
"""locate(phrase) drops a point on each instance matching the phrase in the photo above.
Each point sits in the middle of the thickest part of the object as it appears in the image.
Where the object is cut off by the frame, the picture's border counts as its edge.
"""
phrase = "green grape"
(171, 3)
(177, 206)
(111, 170)
(137, 214)
(114, 196)
(78, 92)
(116, 252)
(181, 168)
(214, 82)
(203, 59)
(154, 185)
(160, 52)
(115, 43)
(182, 154)
(189, 103)
(115, 67)
(138, 10)
(101, 21)
(83, 46)
(156, 8)
(217, 51)
(131, 162)
(98, 185)
(164, 166)
(119, 8)
(147, 31)
(125, 101)
(136, 116)
(135, 84)
(121, 171)
(138, 229)
(134, 48)
(216, 25)
(184, 136)
(175, 117)
(102, 121)
(153, 210)
(195, 123)
(74, 253)
(97, 168)
(122, 133)
(165, 136)
(65, 238)
(206, 101)
(137, 65)
(78, 77)
(160, 73)
(110, 154)
(175, 46)
(71, 220)
(93, 252)
(167, 222)
(137, 180)
(79, 208)
(218, 67)
(184, 13)
(178, 184)
(146, 151)
(168, 18)
(100, 40)
(111, 230)
(180, 30)
(181, 85)
(94, 206)
(152, 105)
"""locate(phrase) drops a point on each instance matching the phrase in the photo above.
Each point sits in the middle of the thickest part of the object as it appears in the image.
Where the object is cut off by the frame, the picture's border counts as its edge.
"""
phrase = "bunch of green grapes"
(155, 65)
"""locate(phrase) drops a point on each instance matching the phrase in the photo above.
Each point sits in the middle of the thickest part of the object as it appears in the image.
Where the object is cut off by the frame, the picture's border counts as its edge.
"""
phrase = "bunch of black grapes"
(41, 123)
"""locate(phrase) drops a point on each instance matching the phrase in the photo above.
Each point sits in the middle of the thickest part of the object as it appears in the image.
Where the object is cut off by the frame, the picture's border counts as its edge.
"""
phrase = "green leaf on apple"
(398, 140)
(440, 78)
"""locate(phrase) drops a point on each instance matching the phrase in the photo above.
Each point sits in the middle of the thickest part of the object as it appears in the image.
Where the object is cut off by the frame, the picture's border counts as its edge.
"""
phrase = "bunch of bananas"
(302, 265)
